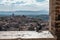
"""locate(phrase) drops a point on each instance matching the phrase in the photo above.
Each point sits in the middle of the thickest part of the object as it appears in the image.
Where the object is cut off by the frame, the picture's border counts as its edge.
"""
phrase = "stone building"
(55, 18)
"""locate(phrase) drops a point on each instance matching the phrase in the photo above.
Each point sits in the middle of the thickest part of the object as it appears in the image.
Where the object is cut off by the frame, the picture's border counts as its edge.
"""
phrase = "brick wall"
(55, 17)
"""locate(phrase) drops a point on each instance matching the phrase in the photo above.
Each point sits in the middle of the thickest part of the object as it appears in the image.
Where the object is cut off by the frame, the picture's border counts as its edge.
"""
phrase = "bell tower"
(55, 18)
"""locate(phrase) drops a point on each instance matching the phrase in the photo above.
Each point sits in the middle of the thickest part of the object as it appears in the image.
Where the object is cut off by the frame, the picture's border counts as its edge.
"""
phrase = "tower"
(55, 18)
(13, 14)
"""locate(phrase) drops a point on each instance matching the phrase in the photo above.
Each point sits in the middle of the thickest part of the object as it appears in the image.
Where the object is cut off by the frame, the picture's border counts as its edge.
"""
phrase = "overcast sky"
(24, 5)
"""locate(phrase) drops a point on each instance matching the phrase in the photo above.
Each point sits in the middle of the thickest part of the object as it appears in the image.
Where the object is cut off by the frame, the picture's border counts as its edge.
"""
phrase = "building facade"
(55, 18)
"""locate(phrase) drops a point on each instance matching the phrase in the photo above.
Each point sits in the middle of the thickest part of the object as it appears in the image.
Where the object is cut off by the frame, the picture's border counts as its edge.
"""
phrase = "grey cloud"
(19, 2)
(1, 0)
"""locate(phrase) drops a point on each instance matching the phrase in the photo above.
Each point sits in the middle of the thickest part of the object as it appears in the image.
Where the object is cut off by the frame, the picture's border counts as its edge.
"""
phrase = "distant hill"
(44, 17)
(23, 12)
